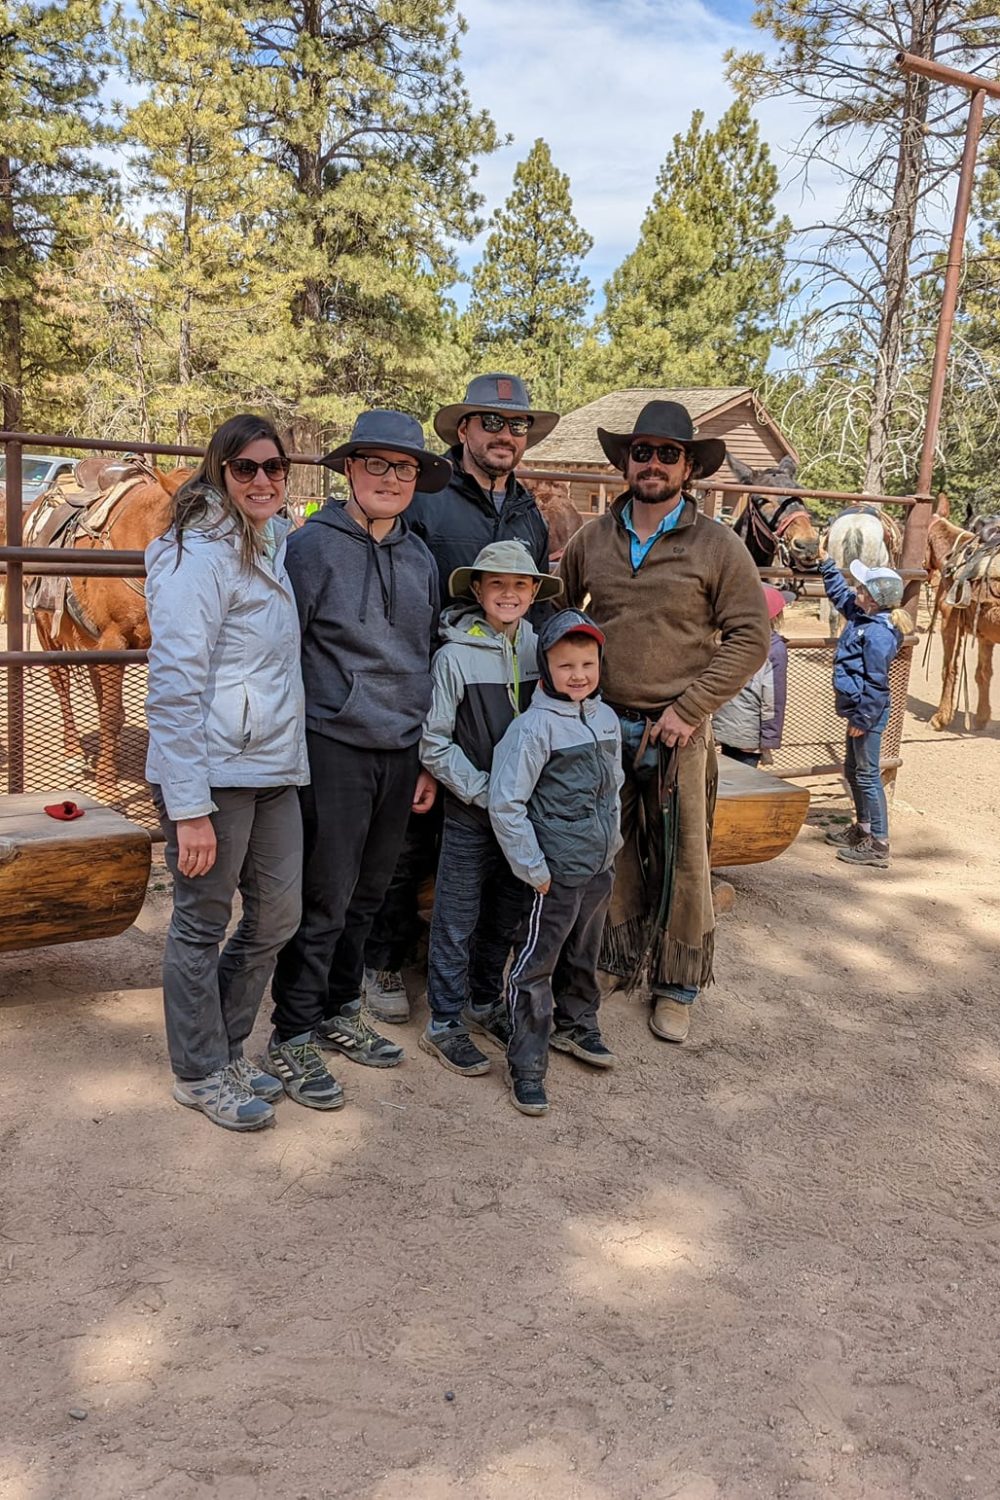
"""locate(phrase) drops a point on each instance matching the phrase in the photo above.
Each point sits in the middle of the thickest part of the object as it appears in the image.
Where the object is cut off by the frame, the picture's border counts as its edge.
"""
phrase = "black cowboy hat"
(665, 421)
(505, 394)
(400, 434)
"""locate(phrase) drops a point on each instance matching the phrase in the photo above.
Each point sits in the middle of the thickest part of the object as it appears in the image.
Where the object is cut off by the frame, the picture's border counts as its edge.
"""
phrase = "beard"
(494, 458)
(650, 488)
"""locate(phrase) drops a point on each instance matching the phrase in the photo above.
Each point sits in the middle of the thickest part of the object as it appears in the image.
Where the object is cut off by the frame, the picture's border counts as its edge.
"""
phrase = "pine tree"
(529, 294)
(699, 299)
(52, 64)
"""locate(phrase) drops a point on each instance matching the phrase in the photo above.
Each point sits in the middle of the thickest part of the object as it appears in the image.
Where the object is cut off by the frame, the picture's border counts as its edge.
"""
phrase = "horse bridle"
(769, 531)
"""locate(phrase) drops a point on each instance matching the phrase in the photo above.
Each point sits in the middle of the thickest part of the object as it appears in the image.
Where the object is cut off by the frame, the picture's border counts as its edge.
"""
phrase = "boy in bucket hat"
(367, 596)
(876, 626)
(483, 677)
(554, 804)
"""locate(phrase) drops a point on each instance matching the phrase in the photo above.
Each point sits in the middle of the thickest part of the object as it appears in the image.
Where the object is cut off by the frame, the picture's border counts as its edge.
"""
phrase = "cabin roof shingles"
(575, 439)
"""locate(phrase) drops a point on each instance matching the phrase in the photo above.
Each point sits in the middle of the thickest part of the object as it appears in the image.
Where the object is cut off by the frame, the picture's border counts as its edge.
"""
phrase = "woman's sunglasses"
(244, 469)
(667, 453)
(492, 421)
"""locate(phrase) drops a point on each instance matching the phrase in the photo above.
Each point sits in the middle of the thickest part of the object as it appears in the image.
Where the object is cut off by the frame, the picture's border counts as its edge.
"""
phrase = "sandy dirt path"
(765, 1264)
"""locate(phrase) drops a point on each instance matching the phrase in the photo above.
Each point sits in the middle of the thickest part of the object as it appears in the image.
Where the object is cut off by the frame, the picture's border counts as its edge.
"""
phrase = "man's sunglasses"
(492, 421)
(667, 453)
(405, 469)
(244, 469)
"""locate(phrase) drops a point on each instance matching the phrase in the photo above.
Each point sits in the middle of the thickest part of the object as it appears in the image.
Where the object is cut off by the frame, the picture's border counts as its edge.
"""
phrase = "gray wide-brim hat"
(400, 434)
(505, 394)
(505, 557)
(665, 422)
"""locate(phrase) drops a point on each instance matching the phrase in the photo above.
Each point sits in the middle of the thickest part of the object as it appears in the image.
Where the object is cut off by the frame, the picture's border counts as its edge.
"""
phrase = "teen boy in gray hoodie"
(367, 594)
(555, 807)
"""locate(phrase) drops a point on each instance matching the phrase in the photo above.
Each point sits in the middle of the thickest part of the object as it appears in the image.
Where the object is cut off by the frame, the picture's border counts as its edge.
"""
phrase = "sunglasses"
(492, 421)
(666, 453)
(405, 469)
(244, 469)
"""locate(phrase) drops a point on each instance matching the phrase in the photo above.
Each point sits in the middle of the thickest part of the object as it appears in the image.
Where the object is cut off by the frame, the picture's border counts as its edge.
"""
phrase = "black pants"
(748, 757)
(563, 927)
(354, 815)
(396, 928)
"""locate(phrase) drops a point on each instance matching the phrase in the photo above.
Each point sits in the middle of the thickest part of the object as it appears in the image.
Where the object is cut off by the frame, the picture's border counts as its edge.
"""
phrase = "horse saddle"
(892, 534)
(974, 561)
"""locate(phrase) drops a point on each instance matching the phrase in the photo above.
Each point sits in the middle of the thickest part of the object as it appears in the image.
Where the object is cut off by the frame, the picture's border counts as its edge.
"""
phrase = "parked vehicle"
(38, 472)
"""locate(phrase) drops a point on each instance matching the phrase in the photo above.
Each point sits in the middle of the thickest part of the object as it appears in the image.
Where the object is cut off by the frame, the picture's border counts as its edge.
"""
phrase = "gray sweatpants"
(210, 999)
(563, 931)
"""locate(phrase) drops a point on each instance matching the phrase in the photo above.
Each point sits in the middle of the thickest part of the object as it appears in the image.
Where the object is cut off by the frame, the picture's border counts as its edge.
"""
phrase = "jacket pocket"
(228, 727)
(383, 707)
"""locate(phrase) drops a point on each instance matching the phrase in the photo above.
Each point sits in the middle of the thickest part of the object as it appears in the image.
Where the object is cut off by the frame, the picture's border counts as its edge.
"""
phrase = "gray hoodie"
(368, 612)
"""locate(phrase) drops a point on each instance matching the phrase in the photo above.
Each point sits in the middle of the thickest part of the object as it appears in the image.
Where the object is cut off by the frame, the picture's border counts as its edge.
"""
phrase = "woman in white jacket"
(226, 754)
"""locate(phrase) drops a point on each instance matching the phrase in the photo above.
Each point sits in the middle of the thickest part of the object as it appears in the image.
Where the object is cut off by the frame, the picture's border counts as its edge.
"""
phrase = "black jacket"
(460, 520)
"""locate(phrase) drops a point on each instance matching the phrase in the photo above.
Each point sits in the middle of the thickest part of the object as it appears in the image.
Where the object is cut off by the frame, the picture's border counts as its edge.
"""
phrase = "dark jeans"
(479, 904)
(563, 928)
(396, 928)
(354, 816)
(748, 757)
(861, 768)
(210, 1000)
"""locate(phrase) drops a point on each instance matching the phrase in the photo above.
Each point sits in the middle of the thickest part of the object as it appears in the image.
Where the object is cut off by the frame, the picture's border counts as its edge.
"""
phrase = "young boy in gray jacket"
(555, 807)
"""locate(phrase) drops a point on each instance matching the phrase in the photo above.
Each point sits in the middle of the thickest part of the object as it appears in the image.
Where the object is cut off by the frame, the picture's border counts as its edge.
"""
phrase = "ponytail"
(902, 620)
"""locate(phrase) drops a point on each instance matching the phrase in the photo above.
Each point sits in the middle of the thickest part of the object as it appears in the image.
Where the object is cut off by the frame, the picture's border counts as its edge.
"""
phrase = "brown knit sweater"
(690, 628)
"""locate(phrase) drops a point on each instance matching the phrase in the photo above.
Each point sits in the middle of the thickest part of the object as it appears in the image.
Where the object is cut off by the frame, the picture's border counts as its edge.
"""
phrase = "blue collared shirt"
(640, 550)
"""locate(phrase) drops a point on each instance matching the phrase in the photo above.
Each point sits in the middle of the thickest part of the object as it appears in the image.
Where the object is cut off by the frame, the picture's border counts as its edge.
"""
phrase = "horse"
(978, 616)
(561, 516)
(777, 530)
(118, 506)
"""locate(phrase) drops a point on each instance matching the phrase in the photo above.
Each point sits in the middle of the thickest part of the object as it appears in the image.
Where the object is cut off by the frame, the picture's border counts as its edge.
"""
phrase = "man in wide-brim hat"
(487, 435)
(680, 602)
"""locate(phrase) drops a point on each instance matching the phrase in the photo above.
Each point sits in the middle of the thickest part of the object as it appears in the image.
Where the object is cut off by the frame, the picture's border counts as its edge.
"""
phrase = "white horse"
(860, 533)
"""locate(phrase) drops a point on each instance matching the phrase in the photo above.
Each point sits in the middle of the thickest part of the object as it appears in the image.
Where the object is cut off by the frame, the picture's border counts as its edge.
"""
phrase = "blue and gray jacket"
(865, 651)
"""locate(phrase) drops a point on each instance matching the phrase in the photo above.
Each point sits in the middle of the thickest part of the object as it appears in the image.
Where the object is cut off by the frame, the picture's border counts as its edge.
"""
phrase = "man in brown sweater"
(680, 602)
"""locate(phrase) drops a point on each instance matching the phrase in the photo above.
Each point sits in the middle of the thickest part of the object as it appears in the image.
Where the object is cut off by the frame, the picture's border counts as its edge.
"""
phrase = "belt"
(632, 715)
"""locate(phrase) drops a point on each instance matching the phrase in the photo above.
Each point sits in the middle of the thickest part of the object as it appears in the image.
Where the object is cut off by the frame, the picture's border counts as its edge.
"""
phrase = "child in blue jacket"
(873, 635)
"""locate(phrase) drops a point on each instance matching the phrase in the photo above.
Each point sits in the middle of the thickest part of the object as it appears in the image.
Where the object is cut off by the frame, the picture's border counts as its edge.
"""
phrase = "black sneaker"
(455, 1050)
(870, 851)
(586, 1044)
(303, 1073)
(846, 838)
(493, 1024)
(528, 1095)
(352, 1036)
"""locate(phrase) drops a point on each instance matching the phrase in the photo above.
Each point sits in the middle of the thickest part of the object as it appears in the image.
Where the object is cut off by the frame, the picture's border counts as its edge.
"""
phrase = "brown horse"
(777, 529)
(110, 615)
(979, 619)
(552, 496)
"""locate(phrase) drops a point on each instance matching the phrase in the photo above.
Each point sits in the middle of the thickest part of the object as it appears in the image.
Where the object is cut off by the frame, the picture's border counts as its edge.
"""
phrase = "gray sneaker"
(846, 838)
(263, 1084)
(351, 1035)
(303, 1073)
(225, 1099)
(492, 1023)
(386, 997)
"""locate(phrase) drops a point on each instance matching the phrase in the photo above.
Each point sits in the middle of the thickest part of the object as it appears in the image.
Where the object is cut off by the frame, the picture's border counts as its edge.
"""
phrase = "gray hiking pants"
(563, 929)
(210, 999)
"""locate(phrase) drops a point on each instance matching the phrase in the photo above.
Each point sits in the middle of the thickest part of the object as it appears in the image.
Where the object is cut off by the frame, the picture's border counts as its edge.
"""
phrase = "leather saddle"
(974, 561)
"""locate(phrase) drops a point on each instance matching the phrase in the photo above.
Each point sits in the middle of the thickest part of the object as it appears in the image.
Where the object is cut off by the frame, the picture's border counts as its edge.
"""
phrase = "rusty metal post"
(15, 622)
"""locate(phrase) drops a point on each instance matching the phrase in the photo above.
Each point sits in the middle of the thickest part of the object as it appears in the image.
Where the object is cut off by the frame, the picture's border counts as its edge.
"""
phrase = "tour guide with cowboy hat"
(681, 605)
(482, 503)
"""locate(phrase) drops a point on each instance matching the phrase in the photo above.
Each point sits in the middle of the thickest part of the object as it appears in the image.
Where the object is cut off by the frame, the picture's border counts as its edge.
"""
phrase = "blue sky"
(608, 83)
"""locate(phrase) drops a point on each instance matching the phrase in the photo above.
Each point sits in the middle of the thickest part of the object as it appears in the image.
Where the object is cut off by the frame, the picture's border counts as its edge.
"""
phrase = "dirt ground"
(765, 1264)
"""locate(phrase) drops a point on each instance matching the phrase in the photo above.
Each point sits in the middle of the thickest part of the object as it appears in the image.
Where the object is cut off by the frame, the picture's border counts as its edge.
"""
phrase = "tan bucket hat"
(504, 557)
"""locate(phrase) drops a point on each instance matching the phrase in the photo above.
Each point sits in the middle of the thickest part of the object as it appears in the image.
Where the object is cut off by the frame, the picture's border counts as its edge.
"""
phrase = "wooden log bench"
(65, 882)
(757, 815)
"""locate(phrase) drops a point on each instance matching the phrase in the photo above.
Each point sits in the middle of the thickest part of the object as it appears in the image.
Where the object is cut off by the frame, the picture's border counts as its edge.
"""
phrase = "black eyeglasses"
(667, 453)
(405, 469)
(244, 469)
(493, 422)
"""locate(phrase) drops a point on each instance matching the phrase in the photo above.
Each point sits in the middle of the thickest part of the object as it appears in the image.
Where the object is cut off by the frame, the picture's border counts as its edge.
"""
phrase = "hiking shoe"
(350, 1034)
(670, 1019)
(494, 1024)
(256, 1080)
(586, 1043)
(455, 1049)
(303, 1073)
(386, 997)
(870, 851)
(225, 1099)
(528, 1095)
(846, 838)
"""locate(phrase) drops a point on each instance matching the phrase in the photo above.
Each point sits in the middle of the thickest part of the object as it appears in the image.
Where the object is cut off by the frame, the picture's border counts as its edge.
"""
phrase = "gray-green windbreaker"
(481, 681)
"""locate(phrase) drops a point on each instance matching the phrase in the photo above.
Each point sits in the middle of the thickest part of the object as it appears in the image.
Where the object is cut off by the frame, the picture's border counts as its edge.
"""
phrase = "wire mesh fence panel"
(61, 735)
(814, 734)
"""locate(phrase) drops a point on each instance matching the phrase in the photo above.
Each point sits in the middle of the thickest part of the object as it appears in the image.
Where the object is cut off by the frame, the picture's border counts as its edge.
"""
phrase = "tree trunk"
(11, 344)
(184, 339)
